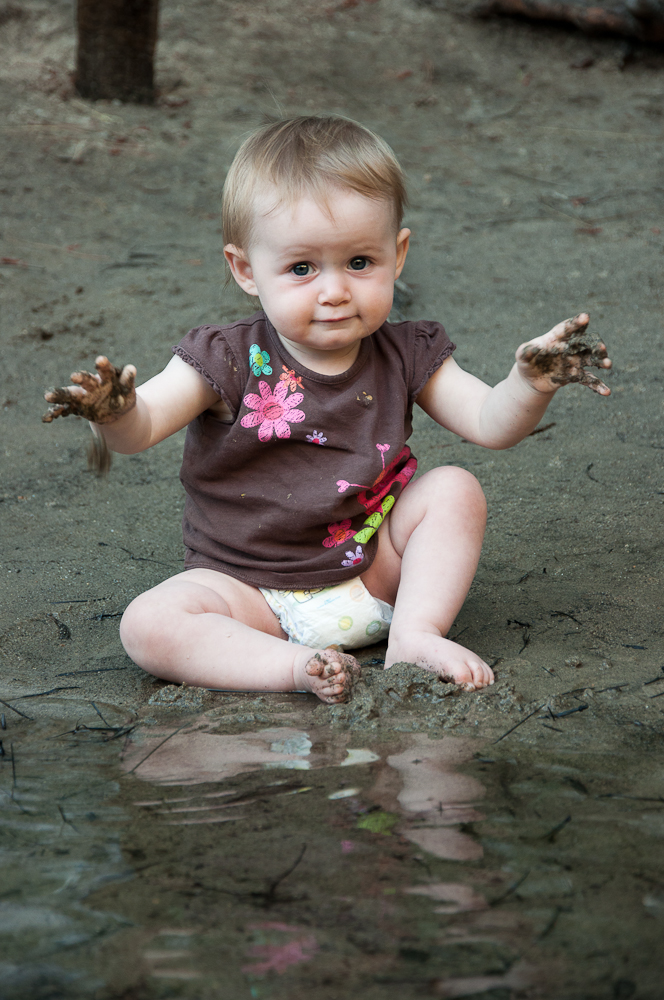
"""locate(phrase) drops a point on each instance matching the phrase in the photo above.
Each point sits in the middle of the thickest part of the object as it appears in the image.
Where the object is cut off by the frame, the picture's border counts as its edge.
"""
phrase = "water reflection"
(300, 860)
(433, 798)
(417, 794)
(439, 795)
(195, 755)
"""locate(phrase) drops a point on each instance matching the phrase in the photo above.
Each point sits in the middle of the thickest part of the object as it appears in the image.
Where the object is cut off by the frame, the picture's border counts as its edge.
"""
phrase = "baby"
(302, 519)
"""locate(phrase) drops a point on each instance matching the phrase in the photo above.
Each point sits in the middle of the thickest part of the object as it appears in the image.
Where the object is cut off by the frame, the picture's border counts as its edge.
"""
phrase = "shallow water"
(187, 858)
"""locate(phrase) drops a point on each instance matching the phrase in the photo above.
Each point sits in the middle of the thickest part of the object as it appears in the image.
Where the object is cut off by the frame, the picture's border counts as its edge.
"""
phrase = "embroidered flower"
(343, 484)
(259, 361)
(382, 448)
(290, 378)
(354, 558)
(273, 412)
(339, 532)
(316, 438)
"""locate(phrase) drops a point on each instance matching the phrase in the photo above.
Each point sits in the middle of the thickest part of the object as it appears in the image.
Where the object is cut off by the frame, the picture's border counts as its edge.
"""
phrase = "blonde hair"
(308, 155)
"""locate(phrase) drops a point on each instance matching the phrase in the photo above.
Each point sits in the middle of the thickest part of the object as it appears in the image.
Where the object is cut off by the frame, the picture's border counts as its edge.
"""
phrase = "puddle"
(184, 860)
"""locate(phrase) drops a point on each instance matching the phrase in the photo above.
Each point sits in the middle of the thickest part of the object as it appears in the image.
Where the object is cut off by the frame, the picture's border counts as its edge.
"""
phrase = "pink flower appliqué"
(340, 532)
(273, 412)
(354, 558)
(343, 484)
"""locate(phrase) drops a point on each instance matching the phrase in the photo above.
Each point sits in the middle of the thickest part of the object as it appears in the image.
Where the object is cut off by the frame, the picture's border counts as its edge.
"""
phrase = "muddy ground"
(536, 192)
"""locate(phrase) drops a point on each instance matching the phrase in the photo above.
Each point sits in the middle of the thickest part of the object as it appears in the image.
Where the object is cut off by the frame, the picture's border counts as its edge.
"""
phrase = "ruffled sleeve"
(430, 347)
(209, 351)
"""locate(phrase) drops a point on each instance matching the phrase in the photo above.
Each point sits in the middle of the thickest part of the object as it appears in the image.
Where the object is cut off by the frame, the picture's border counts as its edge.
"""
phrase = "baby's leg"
(428, 551)
(207, 629)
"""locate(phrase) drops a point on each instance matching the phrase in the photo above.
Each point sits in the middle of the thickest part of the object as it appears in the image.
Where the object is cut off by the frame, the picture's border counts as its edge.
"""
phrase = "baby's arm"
(503, 416)
(132, 420)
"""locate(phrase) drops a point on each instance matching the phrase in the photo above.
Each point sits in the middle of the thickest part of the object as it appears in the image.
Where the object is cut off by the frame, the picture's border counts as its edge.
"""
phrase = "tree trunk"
(116, 43)
(642, 19)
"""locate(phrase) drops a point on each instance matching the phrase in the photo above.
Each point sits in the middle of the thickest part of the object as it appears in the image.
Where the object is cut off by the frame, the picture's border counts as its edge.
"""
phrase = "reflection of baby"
(296, 467)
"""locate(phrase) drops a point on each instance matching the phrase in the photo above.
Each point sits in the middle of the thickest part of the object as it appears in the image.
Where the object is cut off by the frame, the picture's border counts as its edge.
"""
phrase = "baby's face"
(324, 278)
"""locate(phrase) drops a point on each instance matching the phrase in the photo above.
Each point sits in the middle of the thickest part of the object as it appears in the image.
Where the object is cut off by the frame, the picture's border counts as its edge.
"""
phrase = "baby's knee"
(455, 485)
(142, 630)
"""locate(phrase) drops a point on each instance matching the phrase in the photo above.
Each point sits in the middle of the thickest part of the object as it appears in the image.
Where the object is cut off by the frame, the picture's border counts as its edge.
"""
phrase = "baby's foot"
(328, 674)
(448, 659)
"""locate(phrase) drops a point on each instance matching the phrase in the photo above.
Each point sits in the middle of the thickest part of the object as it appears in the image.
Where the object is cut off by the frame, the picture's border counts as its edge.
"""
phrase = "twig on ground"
(275, 883)
(81, 600)
(551, 924)
(520, 722)
(565, 614)
(102, 717)
(99, 670)
(569, 711)
(18, 712)
(540, 430)
(512, 889)
(131, 555)
(552, 834)
(64, 818)
(39, 694)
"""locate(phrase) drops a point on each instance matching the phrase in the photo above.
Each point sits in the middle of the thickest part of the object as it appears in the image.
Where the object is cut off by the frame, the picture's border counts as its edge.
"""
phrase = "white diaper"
(345, 615)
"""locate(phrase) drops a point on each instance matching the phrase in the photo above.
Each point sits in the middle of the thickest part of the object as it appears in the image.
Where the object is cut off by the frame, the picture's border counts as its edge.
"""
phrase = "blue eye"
(358, 263)
(301, 270)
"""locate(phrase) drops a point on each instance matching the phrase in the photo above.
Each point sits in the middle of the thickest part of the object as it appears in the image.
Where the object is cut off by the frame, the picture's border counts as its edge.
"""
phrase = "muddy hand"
(561, 356)
(101, 398)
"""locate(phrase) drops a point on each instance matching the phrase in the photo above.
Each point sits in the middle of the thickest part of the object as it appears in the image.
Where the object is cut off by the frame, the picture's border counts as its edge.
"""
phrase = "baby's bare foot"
(448, 659)
(328, 674)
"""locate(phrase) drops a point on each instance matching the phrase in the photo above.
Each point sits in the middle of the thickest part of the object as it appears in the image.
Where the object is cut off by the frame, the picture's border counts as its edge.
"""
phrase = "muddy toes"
(337, 673)
(332, 662)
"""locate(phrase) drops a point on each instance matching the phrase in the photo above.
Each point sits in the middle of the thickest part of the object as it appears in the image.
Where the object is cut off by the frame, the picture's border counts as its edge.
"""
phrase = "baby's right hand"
(101, 398)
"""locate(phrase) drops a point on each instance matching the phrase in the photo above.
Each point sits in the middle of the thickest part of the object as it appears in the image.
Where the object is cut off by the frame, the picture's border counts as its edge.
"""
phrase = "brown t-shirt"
(289, 493)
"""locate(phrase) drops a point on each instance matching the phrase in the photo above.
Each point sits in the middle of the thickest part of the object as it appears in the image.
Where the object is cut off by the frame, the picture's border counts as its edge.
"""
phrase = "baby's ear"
(240, 268)
(403, 242)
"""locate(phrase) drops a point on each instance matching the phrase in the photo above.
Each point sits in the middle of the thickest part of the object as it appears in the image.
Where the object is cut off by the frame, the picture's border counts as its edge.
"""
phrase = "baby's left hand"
(560, 356)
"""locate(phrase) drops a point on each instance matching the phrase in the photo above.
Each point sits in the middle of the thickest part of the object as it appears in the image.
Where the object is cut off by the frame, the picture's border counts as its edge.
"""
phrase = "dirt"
(111, 214)
(535, 193)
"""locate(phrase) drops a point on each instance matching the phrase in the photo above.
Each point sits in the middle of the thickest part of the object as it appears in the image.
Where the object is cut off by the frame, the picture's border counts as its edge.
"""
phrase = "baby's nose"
(334, 290)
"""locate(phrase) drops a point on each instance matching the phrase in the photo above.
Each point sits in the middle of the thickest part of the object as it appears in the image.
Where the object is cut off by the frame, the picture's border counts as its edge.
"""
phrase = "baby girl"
(305, 531)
